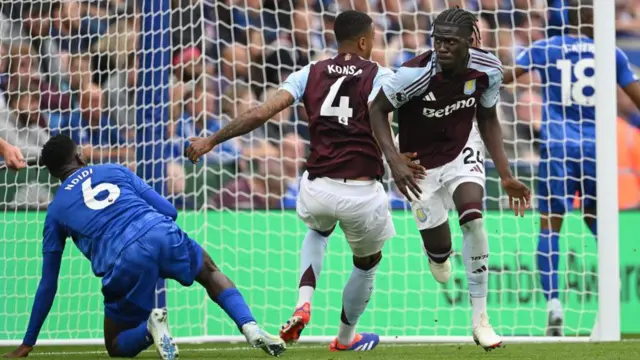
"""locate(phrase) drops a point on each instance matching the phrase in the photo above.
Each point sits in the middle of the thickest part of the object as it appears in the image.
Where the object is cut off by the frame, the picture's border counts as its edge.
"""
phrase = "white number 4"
(343, 112)
(89, 193)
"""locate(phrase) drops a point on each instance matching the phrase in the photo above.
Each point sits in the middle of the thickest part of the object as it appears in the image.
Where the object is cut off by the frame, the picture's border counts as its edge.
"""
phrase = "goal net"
(131, 81)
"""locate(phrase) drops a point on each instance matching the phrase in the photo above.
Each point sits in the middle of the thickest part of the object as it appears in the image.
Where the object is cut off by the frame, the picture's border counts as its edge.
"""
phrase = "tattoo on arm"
(491, 134)
(254, 117)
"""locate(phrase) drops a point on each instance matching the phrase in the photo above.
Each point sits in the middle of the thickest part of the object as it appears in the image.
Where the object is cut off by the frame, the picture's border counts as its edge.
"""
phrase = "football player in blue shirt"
(127, 231)
(568, 165)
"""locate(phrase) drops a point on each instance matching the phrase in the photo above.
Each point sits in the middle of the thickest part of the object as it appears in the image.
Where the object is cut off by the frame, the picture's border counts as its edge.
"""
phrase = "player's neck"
(458, 69)
(348, 50)
(68, 171)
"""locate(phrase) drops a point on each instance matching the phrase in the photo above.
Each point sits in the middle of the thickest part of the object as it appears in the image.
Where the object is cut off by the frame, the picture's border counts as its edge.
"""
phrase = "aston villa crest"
(347, 57)
(470, 87)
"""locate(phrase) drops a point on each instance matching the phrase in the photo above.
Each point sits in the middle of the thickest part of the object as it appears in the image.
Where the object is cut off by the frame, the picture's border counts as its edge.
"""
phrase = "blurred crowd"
(72, 67)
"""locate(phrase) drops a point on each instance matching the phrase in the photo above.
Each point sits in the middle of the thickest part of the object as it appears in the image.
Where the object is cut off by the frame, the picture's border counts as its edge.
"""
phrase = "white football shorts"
(432, 209)
(361, 208)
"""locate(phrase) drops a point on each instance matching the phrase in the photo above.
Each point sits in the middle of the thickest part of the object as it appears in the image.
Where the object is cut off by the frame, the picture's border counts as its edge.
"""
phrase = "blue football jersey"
(566, 65)
(100, 207)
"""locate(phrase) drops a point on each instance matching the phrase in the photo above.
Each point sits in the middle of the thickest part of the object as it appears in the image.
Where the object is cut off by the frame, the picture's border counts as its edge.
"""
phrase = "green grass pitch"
(609, 351)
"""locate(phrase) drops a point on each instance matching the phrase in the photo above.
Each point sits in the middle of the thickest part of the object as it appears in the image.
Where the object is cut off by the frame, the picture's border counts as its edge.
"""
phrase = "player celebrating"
(565, 64)
(437, 95)
(340, 185)
(128, 233)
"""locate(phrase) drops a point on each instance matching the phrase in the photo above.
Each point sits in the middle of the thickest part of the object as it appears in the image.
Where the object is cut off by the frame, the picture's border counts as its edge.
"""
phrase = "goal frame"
(607, 326)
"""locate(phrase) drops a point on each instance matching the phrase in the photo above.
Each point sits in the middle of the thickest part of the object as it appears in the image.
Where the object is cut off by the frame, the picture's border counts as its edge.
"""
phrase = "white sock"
(311, 257)
(475, 252)
(355, 298)
(479, 305)
(554, 306)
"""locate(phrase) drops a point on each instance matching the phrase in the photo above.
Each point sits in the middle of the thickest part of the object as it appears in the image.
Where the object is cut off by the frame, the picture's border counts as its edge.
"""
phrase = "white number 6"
(89, 193)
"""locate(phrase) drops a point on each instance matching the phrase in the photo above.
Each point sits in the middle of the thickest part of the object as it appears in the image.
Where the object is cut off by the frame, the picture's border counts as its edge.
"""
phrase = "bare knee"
(368, 262)
(551, 222)
(589, 216)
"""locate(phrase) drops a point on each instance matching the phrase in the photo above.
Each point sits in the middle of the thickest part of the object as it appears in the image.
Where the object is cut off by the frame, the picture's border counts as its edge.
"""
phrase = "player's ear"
(471, 41)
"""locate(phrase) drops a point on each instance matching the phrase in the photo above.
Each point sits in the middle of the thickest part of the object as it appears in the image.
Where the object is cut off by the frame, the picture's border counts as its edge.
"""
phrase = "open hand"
(13, 157)
(20, 352)
(519, 195)
(404, 172)
(419, 172)
(198, 147)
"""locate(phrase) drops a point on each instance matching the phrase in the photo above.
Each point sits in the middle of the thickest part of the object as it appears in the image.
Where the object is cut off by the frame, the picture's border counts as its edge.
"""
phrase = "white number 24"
(89, 193)
(343, 112)
(573, 92)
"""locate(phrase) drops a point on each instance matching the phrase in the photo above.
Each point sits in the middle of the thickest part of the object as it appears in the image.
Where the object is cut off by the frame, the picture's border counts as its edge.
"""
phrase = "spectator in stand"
(261, 190)
(22, 67)
(198, 120)
(120, 45)
(23, 123)
(89, 126)
(412, 42)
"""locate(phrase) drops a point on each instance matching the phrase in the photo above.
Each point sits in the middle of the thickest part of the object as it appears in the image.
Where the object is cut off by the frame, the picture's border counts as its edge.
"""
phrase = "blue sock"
(131, 342)
(548, 259)
(232, 302)
(594, 229)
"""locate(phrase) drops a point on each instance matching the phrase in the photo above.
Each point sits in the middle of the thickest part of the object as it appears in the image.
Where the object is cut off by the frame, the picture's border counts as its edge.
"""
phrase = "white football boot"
(484, 335)
(440, 272)
(159, 330)
(555, 319)
(259, 338)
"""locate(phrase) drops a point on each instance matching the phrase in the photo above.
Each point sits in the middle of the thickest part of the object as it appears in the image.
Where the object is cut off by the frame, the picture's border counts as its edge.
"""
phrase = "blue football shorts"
(563, 172)
(129, 288)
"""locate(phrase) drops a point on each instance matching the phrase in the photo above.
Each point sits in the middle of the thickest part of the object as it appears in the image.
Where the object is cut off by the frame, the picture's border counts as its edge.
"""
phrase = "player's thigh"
(464, 177)
(366, 221)
(129, 287)
(315, 206)
(432, 208)
(557, 183)
(179, 257)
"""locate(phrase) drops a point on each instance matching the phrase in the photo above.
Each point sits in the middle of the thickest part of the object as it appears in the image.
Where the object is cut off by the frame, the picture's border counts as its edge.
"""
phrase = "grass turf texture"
(604, 351)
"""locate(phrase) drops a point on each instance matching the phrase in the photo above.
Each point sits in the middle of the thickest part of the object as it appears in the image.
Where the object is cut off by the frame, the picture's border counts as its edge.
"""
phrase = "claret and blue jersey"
(566, 66)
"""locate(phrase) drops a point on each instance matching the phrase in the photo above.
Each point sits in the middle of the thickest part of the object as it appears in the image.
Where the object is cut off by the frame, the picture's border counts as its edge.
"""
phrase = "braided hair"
(461, 18)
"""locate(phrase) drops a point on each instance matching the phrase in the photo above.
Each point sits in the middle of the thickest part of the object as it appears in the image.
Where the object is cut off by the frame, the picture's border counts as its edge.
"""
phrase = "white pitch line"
(244, 348)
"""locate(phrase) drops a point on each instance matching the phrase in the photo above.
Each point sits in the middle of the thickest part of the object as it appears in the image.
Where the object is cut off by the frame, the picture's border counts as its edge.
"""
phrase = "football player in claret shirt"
(341, 183)
(566, 65)
(437, 96)
(128, 233)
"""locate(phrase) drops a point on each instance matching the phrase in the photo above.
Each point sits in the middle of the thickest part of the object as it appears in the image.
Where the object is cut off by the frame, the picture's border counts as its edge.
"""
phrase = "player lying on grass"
(568, 149)
(437, 95)
(341, 183)
(127, 231)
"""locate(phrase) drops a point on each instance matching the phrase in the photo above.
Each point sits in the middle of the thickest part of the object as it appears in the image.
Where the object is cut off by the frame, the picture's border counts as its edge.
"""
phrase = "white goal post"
(129, 59)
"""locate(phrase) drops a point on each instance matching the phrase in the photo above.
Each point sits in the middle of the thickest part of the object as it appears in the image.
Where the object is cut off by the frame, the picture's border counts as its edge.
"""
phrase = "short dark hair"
(59, 151)
(460, 17)
(351, 24)
(578, 11)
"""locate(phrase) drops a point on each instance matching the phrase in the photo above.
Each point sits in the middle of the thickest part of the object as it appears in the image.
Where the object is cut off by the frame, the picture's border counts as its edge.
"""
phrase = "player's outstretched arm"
(633, 90)
(510, 76)
(243, 124)
(12, 155)
(41, 304)
(491, 134)
(151, 197)
(401, 166)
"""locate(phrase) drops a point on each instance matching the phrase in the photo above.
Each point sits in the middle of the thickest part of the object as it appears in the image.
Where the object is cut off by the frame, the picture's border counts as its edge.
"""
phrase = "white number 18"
(573, 92)
(343, 112)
